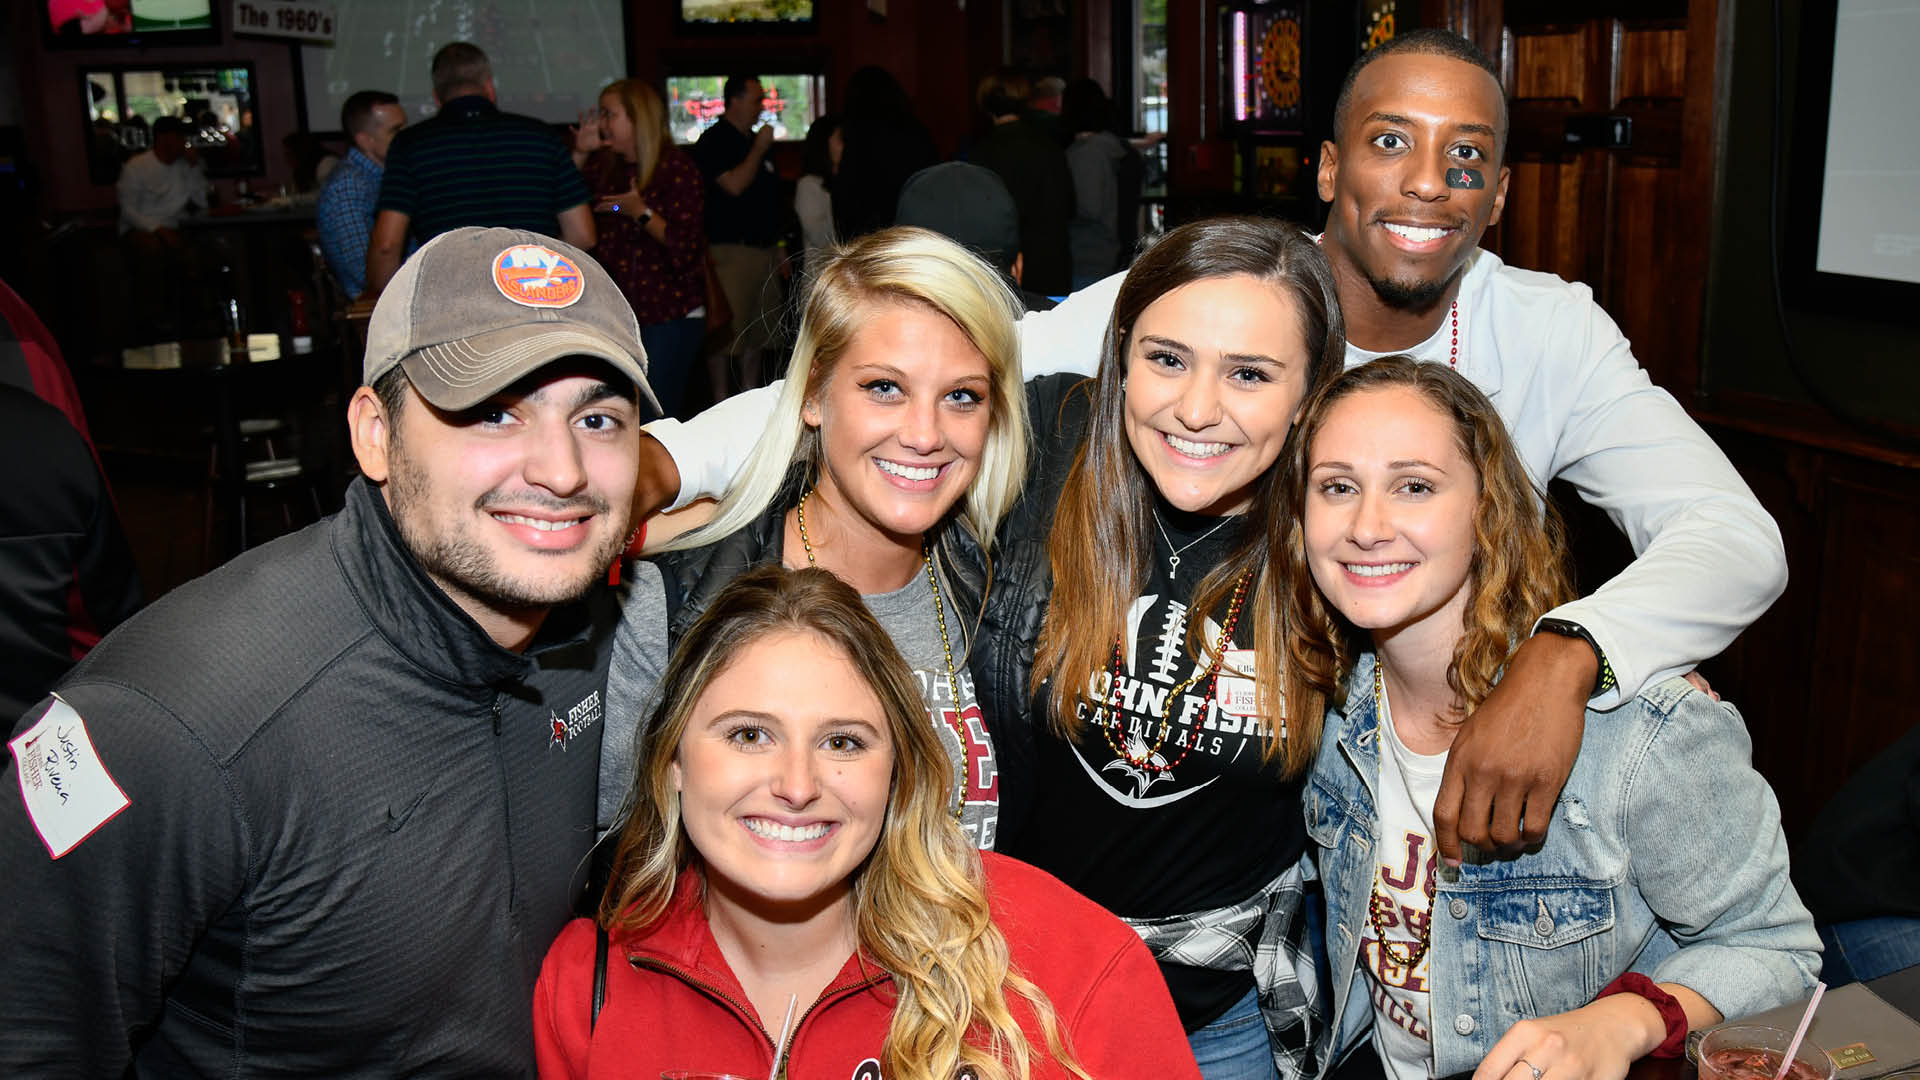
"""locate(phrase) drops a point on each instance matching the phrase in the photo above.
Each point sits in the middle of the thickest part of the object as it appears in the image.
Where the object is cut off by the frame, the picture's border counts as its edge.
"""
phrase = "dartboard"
(1280, 63)
(1380, 29)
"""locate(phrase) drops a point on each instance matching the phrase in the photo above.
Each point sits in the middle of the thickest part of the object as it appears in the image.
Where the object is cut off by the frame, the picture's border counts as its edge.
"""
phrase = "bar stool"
(262, 475)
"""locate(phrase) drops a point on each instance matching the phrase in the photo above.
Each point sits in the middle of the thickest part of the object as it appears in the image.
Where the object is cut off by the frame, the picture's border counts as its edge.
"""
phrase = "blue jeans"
(672, 347)
(1234, 1047)
(1865, 949)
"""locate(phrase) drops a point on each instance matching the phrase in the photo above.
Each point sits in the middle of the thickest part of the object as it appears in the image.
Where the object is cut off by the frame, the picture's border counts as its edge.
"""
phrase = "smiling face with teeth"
(1388, 522)
(517, 504)
(1215, 371)
(1398, 234)
(784, 772)
(903, 419)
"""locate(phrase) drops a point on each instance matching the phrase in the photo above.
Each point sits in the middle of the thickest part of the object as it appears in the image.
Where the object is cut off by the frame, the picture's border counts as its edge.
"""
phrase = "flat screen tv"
(791, 105)
(101, 23)
(1852, 233)
(217, 102)
(747, 16)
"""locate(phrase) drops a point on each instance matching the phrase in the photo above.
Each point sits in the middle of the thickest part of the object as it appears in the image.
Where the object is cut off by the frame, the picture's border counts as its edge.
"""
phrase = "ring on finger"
(1535, 1069)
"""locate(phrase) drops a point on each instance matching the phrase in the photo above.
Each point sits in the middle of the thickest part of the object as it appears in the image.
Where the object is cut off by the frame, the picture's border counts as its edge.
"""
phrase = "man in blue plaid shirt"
(345, 212)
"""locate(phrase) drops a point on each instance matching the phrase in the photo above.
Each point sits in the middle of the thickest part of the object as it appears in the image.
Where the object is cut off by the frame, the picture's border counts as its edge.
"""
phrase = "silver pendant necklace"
(1173, 560)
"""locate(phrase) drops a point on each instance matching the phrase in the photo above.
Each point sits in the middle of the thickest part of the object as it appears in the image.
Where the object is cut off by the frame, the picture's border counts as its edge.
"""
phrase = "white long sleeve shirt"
(1577, 405)
(154, 196)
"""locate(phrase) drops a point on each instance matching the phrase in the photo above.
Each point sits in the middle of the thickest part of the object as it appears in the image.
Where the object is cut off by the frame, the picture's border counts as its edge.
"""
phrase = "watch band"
(1603, 682)
(645, 216)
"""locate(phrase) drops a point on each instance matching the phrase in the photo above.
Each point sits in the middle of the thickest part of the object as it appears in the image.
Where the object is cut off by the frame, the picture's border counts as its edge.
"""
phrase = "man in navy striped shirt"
(472, 164)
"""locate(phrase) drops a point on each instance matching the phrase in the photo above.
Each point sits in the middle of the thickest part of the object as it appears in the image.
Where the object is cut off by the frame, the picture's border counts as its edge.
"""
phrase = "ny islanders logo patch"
(537, 276)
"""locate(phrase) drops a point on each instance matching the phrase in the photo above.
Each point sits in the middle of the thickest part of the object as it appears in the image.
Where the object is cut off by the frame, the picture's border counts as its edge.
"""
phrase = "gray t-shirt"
(639, 660)
(906, 614)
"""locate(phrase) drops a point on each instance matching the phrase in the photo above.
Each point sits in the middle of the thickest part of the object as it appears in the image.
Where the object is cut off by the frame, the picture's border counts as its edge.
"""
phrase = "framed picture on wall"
(96, 24)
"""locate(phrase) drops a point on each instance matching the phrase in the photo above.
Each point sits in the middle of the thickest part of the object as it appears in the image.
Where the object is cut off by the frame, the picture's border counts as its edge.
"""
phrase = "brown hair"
(1519, 561)
(919, 900)
(1106, 502)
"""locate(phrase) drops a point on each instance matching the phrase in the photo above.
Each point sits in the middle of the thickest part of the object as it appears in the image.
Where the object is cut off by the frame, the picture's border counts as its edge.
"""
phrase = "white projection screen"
(1870, 190)
(549, 59)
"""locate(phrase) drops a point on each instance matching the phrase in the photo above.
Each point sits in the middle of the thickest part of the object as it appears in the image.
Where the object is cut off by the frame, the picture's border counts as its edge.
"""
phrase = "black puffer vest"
(1061, 409)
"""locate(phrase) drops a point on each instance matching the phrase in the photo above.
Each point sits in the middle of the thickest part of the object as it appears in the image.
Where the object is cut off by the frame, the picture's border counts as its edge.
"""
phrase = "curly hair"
(919, 900)
(1518, 570)
(1106, 502)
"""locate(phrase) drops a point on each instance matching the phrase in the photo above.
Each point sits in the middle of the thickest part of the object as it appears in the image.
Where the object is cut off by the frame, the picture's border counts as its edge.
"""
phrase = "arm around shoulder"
(1709, 557)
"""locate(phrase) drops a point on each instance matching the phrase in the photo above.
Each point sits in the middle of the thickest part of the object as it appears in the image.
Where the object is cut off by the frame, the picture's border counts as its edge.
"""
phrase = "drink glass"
(1750, 1052)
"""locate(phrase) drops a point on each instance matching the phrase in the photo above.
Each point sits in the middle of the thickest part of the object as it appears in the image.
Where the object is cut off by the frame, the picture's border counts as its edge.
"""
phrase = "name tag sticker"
(66, 788)
(1848, 1056)
(1236, 693)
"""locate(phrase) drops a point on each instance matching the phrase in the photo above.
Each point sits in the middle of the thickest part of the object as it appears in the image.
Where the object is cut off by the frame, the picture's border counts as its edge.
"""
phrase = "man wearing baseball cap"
(316, 812)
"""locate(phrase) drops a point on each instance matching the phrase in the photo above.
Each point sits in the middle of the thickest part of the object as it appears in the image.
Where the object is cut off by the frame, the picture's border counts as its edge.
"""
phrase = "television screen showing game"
(764, 13)
(791, 104)
(146, 22)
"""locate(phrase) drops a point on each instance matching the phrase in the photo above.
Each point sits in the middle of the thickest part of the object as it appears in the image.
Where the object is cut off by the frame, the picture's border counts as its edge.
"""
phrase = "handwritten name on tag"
(66, 788)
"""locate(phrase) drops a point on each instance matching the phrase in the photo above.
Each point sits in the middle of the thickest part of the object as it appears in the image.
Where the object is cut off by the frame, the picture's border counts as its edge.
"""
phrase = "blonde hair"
(1519, 568)
(894, 266)
(919, 900)
(648, 115)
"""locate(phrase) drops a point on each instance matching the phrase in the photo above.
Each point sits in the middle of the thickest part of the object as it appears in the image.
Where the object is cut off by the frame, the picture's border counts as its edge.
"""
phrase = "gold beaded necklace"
(946, 645)
(1417, 950)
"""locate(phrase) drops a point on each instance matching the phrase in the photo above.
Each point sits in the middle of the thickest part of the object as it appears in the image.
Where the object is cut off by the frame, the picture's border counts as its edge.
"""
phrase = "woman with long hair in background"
(652, 240)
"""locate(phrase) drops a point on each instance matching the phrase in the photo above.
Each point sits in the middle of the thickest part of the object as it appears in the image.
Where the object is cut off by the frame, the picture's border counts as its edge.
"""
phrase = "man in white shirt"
(157, 186)
(1415, 176)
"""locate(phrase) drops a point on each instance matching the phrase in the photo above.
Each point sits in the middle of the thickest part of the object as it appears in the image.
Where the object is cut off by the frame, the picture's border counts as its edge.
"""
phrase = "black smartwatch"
(1605, 681)
(645, 216)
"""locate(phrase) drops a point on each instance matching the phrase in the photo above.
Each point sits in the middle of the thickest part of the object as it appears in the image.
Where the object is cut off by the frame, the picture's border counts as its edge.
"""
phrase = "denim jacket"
(1664, 856)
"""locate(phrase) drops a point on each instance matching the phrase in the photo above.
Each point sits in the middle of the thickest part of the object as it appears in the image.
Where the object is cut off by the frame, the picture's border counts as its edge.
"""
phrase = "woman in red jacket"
(791, 895)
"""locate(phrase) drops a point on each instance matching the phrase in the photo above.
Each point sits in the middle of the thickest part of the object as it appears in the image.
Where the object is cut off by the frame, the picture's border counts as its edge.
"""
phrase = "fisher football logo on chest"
(1158, 709)
(578, 719)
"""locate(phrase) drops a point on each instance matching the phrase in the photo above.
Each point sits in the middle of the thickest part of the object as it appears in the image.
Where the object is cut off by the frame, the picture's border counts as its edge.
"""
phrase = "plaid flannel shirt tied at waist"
(1267, 934)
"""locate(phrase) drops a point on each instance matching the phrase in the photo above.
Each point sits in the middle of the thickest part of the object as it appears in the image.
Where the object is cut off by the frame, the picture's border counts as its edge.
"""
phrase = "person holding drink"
(1419, 555)
(791, 896)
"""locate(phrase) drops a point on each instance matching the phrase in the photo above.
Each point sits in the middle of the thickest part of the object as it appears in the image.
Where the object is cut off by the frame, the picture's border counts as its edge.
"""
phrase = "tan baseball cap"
(476, 310)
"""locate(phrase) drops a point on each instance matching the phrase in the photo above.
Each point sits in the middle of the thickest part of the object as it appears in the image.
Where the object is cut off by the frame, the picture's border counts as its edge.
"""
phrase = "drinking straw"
(786, 1028)
(1805, 1022)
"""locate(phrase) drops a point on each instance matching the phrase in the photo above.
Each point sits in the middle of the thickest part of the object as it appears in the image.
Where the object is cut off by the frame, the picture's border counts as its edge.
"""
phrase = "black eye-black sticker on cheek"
(1466, 179)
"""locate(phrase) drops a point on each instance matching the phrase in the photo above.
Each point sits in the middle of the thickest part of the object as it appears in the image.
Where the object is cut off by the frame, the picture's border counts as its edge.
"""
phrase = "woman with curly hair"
(1419, 556)
(790, 895)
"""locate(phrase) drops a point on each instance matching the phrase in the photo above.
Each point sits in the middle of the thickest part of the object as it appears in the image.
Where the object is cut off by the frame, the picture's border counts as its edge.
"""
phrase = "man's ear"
(1019, 266)
(1500, 196)
(370, 430)
(1330, 170)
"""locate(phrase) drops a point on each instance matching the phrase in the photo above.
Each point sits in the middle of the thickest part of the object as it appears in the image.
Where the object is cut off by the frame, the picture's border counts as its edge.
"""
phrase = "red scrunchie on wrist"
(1670, 1011)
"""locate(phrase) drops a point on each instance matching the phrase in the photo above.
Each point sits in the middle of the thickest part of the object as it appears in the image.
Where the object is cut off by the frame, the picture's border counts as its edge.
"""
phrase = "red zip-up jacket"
(673, 1003)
